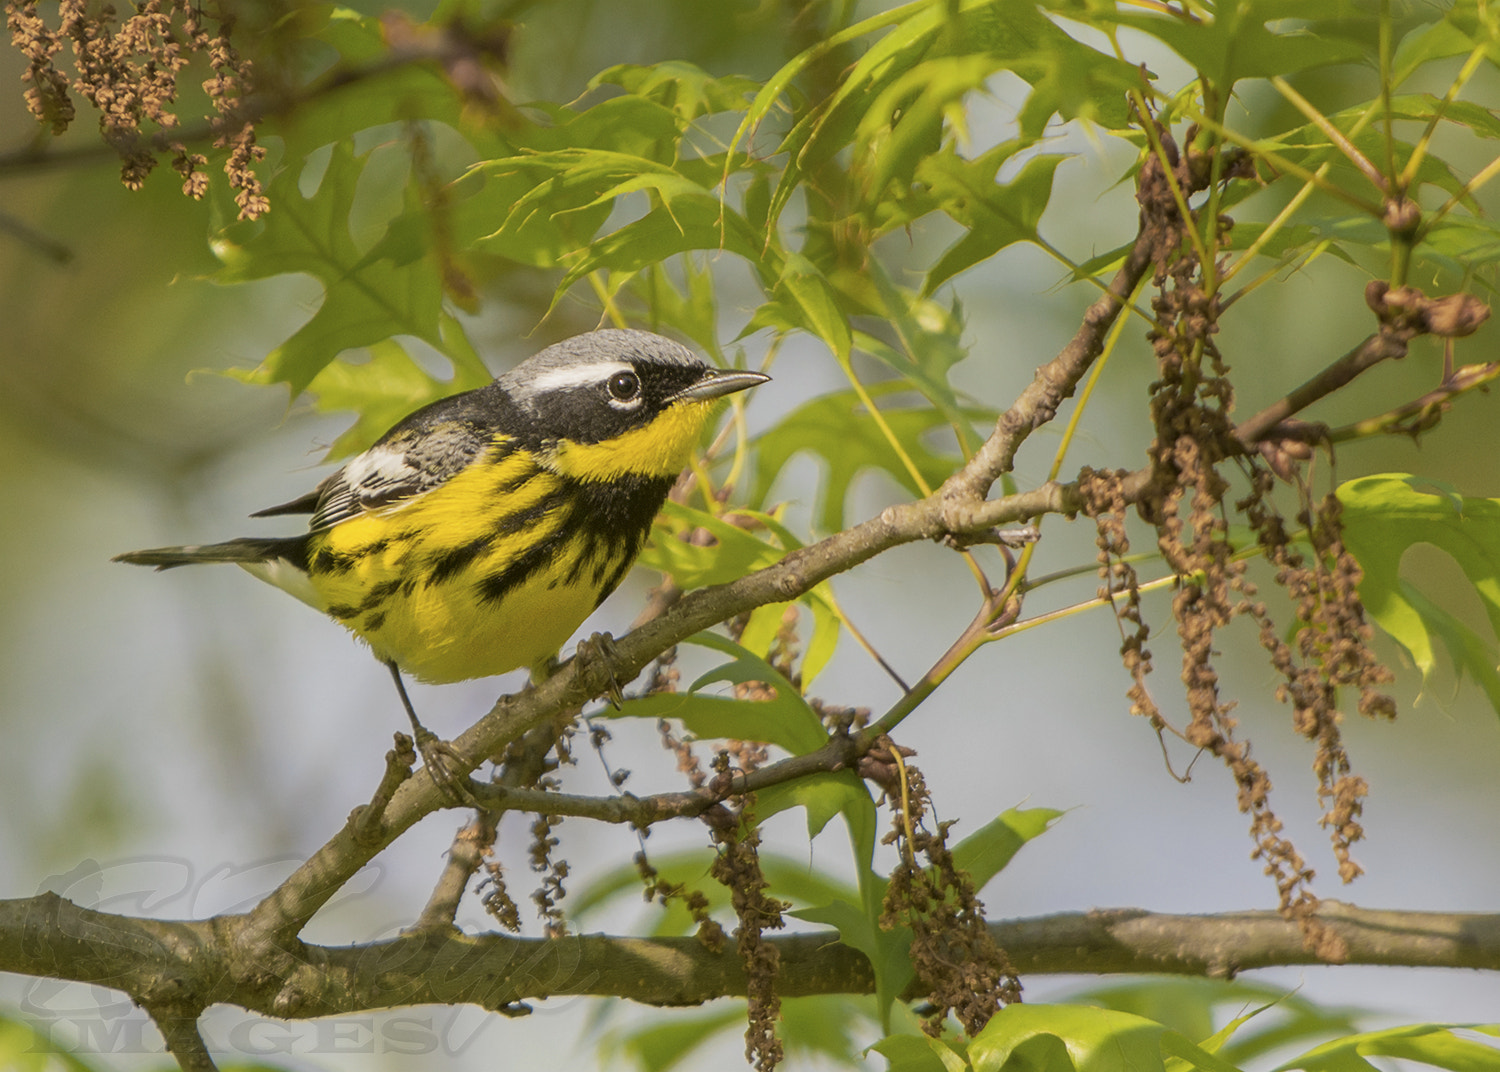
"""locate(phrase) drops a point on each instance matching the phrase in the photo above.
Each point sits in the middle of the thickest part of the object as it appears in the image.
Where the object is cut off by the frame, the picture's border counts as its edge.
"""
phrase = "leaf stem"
(1489, 172)
(1281, 163)
(1335, 135)
(1394, 184)
(1419, 151)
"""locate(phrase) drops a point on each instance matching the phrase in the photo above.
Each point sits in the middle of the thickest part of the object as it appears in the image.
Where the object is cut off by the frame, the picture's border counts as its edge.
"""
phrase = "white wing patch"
(379, 475)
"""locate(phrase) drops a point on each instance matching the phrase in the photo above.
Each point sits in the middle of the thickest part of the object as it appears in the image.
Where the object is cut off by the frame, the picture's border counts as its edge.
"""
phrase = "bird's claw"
(596, 654)
(441, 760)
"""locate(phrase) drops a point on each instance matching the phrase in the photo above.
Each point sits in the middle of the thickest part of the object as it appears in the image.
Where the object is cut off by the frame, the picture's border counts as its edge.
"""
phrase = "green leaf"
(403, 92)
(1192, 1007)
(1385, 515)
(996, 214)
(24, 1049)
(918, 1053)
(837, 429)
(676, 548)
(1430, 1044)
(1235, 43)
(735, 551)
(984, 853)
(1462, 241)
(1069, 79)
(890, 149)
(810, 1027)
(368, 296)
(1433, 41)
(928, 343)
(888, 951)
(381, 390)
(487, 216)
(691, 309)
(821, 1025)
(1094, 1040)
(685, 88)
(691, 219)
(821, 134)
(663, 1044)
(810, 303)
(786, 720)
(823, 795)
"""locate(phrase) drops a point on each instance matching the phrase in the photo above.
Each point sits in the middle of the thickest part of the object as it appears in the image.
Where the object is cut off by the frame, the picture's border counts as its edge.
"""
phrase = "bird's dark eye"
(624, 386)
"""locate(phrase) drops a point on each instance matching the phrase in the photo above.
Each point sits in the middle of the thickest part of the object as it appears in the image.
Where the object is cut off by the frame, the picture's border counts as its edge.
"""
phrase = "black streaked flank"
(329, 561)
(379, 593)
(515, 481)
(613, 580)
(509, 524)
(494, 587)
(445, 564)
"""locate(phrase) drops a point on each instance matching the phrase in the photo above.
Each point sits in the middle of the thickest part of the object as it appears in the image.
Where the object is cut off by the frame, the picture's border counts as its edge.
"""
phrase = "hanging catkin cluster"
(129, 72)
(1195, 459)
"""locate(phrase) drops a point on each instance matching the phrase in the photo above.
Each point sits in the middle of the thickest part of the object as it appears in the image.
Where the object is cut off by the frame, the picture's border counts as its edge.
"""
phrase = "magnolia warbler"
(477, 534)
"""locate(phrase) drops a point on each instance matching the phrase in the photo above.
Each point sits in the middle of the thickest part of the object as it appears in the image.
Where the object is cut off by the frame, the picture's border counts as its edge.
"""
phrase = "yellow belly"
(441, 633)
(479, 576)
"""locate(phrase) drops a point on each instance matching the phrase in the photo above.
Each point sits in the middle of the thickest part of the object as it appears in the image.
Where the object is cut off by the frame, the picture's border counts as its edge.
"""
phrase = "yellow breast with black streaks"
(491, 571)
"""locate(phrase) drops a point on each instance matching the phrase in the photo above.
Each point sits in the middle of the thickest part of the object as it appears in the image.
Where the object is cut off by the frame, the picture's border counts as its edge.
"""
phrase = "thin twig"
(398, 764)
(1420, 414)
(1054, 382)
(1378, 347)
(524, 764)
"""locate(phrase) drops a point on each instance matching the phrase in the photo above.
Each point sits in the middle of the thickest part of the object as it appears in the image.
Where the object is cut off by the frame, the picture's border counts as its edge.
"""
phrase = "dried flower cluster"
(952, 952)
(129, 72)
(494, 896)
(737, 869)
(1332, 651)
(1195, 445)
(656, 888)
(548, 896)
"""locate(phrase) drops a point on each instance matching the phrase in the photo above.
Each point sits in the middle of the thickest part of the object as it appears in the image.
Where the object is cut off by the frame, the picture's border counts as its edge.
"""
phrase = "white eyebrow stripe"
(575, 376)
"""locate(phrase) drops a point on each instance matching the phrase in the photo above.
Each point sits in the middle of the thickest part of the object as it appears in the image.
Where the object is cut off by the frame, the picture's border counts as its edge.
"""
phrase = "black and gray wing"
(424, 450)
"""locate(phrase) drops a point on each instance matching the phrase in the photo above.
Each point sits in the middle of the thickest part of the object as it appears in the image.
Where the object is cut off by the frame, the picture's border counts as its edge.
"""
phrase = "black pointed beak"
(716, 383)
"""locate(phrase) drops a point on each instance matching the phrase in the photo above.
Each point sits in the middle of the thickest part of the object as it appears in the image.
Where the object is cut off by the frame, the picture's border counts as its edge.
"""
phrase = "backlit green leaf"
(996, 214)
(1094, 1040)
(837, 430)
(783, 720)
(985, 852)
(1429, 1044)
(369, 296)
(1383, 517)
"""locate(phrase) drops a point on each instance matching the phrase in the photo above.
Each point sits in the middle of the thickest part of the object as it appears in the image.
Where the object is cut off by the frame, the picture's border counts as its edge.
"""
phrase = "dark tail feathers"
(244, 549)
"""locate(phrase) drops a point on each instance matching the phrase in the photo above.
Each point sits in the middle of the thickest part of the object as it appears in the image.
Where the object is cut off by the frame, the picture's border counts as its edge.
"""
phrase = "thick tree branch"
(201, 962)
(179, 1027)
